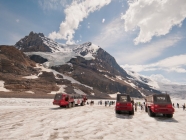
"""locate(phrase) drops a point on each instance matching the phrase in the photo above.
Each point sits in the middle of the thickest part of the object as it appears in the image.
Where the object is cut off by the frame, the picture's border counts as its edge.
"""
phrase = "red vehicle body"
(69, 100)
(159, 104)
(124, 104)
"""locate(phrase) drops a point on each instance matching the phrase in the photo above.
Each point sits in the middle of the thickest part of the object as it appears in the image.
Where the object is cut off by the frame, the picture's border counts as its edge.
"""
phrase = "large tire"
(117, 112)
(82, 103)
(151, 114)
(131, 112)
(169, 115)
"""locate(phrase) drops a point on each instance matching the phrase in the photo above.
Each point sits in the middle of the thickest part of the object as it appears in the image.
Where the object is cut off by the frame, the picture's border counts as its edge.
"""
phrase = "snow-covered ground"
(38, 119)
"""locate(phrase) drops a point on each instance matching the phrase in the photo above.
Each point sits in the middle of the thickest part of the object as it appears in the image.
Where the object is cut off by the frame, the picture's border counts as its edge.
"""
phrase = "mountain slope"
(83, 69)
(175, 90)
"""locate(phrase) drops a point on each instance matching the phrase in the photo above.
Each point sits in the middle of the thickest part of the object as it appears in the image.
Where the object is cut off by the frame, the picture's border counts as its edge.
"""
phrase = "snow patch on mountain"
(131, 84)
(54, 46)
(114, 95)
(64, 76)
(175, 90)
(31, 77)
(144, 79)
(2, 88)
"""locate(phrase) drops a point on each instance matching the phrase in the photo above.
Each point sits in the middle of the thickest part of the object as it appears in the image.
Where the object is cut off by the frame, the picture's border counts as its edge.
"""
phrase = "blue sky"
(146, 36)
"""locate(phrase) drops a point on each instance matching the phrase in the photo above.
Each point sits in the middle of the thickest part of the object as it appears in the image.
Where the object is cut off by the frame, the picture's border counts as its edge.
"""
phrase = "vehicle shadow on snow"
(162, 118)
(58, 108)
(124, 116)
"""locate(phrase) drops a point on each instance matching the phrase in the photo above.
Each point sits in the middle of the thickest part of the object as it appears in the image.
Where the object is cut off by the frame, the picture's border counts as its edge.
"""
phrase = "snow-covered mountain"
(84, 68)
(175, 90)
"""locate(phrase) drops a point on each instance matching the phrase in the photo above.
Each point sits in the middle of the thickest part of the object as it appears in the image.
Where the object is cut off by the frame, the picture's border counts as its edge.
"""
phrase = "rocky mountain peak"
(37, 42)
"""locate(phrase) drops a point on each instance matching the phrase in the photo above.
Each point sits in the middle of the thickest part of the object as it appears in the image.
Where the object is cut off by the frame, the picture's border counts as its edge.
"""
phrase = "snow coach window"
(58, 97)
(123, 98)
(161, 99)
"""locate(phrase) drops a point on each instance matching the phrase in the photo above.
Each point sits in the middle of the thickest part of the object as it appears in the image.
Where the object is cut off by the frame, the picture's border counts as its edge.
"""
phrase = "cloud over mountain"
(75, 13)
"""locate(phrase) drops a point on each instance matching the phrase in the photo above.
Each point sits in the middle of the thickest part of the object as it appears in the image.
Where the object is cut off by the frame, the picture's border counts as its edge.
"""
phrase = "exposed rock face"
(109, 63)
(15, 61)
(32, 43)
(38, 43)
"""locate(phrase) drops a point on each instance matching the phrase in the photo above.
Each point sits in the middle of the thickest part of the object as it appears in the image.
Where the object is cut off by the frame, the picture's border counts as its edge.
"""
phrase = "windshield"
(162, 99)
(58, 97)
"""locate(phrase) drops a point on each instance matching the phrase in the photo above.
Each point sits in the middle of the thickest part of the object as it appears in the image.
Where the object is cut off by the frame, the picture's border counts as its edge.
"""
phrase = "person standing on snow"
(110, 103)
(184, 107)
(141, 107)
(135, 105)
(105, 103)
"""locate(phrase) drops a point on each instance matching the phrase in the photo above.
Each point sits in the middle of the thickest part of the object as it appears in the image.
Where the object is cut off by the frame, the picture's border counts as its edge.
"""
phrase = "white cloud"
(53, 4)
(148, 52)
(173, 61)
(171, 64)
(75, 13)
(110, 34)
(103, 20)
(17, 20)
(154, 17)
(160, 78)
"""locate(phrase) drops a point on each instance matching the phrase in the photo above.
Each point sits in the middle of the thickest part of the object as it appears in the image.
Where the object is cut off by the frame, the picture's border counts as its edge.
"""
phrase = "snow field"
(38, 119)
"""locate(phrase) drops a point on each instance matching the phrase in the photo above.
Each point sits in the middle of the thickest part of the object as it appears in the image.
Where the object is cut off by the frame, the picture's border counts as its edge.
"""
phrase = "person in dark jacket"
(184, 106)
(105, 103)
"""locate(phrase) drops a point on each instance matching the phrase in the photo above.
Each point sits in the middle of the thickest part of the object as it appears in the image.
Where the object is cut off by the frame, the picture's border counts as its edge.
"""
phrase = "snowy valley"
(39, 119)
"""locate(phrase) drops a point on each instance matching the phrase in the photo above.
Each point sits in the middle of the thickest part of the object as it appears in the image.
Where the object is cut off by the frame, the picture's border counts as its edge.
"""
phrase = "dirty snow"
(2, 88)
(114, 95)
(61, 89)
(30, 92)
(109, 77)
(38, 119)
(31, 77)
(78, 91)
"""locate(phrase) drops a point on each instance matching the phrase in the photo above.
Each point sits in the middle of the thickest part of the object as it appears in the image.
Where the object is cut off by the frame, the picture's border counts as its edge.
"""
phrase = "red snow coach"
(159, 104)
(124, 104)
(69, 100)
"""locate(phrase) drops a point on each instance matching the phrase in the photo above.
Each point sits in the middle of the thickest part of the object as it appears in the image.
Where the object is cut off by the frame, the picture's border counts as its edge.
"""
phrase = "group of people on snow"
(179, 106)
(136, 104)
(109, 103)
